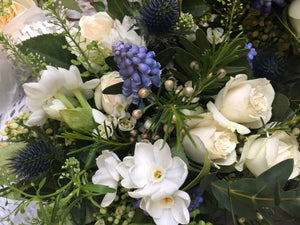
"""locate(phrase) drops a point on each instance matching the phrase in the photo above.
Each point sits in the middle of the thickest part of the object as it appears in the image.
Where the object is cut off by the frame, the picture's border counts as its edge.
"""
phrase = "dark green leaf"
(191, 48)
(112, 64)
(100, 6)
(113, 89)
(100, 189)
(50, 47)
(165, 56)
(201, 41)
(290, 202)
(196, 7)
(234, 69)
(117, 9)
(78, 213)
(280, 106)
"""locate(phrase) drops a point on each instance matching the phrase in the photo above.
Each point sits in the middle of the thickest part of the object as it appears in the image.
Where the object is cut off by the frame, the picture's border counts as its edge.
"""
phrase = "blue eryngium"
(137, 67)
(270, 66)
(31, 161)
(159, 16)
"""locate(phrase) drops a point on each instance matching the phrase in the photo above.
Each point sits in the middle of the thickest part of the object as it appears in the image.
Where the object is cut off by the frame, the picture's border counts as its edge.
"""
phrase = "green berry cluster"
(121, 211)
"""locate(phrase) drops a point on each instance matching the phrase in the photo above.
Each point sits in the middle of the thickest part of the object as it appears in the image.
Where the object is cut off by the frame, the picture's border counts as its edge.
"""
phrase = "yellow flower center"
(167, 200)
(157, 174)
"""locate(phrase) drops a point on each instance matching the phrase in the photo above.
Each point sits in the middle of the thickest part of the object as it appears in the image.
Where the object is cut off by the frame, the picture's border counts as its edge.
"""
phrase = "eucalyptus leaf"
(245, 196)
(290, 202)
(100, 6)
(49, 46)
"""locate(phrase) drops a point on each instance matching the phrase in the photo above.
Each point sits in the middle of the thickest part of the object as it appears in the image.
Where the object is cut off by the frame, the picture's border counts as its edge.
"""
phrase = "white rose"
(17, 7)
(211, 139)
(260, 154)
(112, 104)
(246, 101)
(294, 16)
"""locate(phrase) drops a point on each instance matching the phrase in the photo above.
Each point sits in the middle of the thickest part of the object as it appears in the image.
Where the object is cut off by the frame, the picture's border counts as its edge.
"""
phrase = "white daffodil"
(170, 210)
(107, 174)
(154, 172)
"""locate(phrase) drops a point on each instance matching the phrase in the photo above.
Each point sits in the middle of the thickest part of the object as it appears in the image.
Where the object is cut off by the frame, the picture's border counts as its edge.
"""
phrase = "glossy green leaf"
(290, 202)
(50, 47)
(100, 6)
(113, 89)
(191, 48)
(201, 41)
(165, 56)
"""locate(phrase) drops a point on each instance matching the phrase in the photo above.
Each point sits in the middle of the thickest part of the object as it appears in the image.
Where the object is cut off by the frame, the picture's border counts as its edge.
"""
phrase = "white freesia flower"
(215, 35)
(170, 210)
(154, 173)
(210, 139)
(294, 16)
(51, 93)
(246, 101)
(260, 154)
(105, 127)
(111, 104)
(107, 174)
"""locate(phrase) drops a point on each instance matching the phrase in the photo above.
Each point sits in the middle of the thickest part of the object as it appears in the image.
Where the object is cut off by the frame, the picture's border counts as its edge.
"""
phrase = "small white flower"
(154, 172)
(170, 210)
(215, 35)
(105, 127)
(107, 174)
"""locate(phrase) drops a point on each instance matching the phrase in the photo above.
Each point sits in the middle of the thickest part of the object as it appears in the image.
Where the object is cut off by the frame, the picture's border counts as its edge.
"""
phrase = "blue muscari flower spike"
(266, 5)
(270, 66)
(252, 53)
(160, 16)
(32, 161)
(196, 198)
(137, 67)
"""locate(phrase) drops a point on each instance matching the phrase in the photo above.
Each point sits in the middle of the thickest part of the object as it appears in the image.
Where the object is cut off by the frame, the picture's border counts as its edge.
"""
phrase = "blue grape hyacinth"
(137, 67)
(252, 53)
(196, 198)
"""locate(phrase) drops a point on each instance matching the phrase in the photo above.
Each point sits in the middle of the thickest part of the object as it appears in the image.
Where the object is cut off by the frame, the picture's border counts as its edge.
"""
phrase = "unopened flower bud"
(188, 91)
(137, 114)
(194, 65)
(209, 76)
(296, 131)
(169, 85)
(222, 73)
(144, 93)
(133, 133)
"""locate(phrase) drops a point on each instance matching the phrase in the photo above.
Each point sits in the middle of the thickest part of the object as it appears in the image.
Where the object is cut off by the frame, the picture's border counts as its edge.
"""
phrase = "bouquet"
(147, 112)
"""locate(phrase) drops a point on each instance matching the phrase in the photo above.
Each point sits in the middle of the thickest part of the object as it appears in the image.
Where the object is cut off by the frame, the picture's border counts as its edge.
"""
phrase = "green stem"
(64, 100)
(82, 100)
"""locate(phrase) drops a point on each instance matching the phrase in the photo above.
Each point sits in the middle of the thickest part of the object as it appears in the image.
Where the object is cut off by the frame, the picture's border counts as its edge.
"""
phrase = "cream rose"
(17, 7)
(210, 139)
(246, 101)
(294, 16)
(112, 104)
(102, 28)
(260, 154)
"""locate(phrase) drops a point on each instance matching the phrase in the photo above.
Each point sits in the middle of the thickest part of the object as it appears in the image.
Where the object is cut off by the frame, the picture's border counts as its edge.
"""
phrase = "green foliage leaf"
(201, 41)
(79, 119)
(100, 6)
(191, 48)
(113, 89)
(280, 106)
(71, 4)
(112, 64)
(117, 9)
(196, 7)
(165, 56)
(100, 189)
(245, 196)
(50, 47)
(290, 202)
